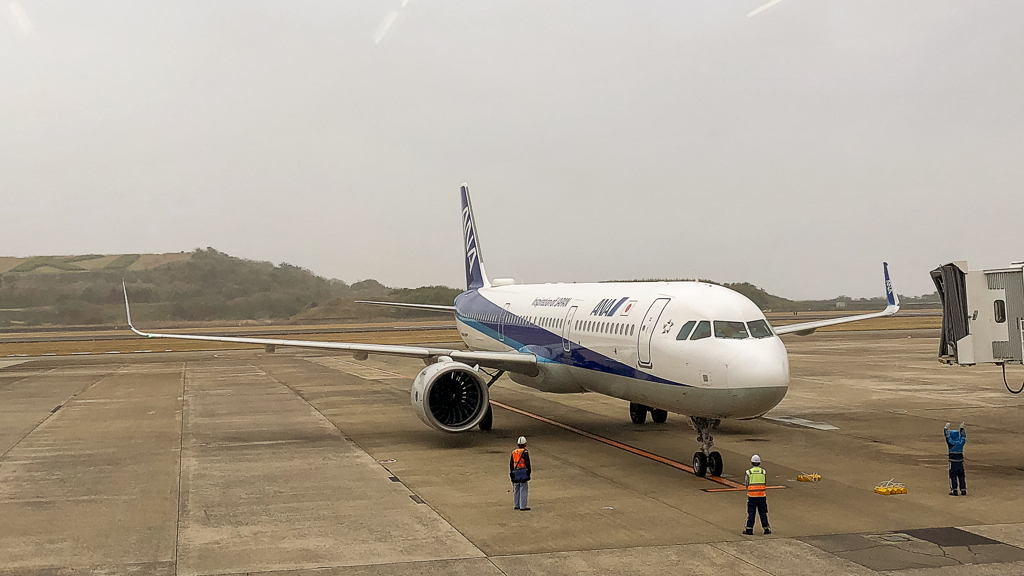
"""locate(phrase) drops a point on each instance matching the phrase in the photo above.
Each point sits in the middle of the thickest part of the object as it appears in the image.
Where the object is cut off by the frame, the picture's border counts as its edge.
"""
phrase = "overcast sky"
(795, 148)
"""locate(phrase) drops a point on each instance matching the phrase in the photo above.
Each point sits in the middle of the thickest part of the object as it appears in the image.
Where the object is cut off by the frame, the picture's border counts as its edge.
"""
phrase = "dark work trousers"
(757, 505)
(956, 474)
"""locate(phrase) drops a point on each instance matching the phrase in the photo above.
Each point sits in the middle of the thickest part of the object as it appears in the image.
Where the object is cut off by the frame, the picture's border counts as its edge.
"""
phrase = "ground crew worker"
(955, 441)
(519, 471)
(757, 500)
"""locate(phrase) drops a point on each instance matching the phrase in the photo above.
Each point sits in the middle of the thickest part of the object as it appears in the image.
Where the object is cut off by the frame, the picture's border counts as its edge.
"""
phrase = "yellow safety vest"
(756, 488)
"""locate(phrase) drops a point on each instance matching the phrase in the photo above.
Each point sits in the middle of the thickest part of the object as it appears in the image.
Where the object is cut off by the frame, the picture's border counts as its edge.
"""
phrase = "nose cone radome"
(761, 375)
(766, 366)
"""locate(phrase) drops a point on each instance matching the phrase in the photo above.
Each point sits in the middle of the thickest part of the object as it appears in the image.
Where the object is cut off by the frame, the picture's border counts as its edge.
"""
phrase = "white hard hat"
(755, 459)
(522, 440)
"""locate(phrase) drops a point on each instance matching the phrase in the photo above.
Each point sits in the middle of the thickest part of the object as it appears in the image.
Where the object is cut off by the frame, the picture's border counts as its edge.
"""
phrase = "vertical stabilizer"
(475, 275)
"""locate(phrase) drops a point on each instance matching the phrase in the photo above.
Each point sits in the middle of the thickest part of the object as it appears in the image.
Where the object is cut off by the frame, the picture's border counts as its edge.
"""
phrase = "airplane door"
(643, 346)
(567, 330)
(502, 319)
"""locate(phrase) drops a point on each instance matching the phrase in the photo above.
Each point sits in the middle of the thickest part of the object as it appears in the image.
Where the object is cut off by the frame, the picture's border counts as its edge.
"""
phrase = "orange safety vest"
(758, 479)
(517, 458)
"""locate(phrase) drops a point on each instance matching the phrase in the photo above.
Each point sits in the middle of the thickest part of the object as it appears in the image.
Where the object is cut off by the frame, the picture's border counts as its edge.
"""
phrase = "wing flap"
(520, 362)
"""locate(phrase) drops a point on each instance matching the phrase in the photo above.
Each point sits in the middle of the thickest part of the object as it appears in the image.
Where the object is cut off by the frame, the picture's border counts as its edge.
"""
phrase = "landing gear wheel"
(488, 420)
(638, 413)
(700, 464)
(659, 416)
(715, 464)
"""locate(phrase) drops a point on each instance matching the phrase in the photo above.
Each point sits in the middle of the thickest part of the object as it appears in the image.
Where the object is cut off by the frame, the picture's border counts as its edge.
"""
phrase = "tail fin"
(475, 275)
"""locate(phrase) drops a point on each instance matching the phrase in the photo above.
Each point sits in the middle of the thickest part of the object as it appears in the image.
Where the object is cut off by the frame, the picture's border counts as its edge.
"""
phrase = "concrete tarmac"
(242, 462)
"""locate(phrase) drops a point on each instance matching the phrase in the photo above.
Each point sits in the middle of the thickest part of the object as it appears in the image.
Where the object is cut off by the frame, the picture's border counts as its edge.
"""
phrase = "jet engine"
(450, 396)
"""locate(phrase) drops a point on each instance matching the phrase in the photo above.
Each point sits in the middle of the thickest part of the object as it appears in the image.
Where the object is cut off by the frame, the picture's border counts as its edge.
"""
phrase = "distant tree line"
(213, 286)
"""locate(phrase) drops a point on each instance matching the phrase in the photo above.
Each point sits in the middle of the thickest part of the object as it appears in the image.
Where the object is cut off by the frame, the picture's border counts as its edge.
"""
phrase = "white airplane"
(692, 348)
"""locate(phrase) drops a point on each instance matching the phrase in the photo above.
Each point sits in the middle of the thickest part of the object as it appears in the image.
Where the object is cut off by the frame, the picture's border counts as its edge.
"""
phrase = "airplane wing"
(805, 328)
(520, 362)
(430, 307)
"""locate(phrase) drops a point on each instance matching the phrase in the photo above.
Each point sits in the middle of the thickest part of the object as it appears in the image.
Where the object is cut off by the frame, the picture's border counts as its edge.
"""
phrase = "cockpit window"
(760, 329)
(703, 330)
(734, 330)
(685, 330)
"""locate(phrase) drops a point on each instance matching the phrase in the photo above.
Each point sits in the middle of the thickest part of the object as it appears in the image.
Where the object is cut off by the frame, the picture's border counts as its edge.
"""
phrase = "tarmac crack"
(356, 444)
(52, 413)
(181, 457)
(20, 380)
(741, 559)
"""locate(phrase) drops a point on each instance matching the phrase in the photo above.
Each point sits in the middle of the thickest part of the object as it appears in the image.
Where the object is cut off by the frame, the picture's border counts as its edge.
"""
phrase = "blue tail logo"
(890, 296)
(475, 276)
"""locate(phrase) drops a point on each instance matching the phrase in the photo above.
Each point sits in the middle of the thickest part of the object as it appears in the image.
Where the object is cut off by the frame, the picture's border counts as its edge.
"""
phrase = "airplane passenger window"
(733, 330)
(630, 329)
(1000, 311)
(759, 329)
(684, 332)
(703, 331)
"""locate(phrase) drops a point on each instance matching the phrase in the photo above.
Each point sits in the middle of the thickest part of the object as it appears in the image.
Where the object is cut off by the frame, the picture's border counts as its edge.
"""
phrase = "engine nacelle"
(450, 396)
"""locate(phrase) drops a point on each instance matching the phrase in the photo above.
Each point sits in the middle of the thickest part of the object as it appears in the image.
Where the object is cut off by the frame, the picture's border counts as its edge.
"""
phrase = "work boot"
(953, 493)
(749, 531)
(525, 509)
(963, 492)
(767, 530)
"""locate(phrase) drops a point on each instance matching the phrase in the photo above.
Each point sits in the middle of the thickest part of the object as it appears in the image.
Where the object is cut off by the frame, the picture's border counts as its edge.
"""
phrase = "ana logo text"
(608, 306)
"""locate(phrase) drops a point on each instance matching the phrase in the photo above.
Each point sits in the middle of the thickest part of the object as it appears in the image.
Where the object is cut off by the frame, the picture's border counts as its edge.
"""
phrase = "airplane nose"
(767, 366)
(760, 377)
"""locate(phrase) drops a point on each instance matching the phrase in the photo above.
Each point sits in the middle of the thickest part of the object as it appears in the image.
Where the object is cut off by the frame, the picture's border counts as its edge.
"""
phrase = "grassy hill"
(203, 285)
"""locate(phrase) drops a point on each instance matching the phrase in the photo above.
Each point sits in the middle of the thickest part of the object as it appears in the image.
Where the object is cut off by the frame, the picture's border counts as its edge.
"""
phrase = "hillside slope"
(203, 285)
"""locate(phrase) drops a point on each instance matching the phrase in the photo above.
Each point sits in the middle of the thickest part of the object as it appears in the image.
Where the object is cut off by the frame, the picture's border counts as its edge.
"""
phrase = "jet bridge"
(982, 314)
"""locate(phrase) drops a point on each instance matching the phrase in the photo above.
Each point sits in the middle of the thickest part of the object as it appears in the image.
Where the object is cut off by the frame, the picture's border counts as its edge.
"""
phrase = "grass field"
(54, 264)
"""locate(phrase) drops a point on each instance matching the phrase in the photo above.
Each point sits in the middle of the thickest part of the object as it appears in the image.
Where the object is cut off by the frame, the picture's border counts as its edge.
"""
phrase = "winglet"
(127, 310)
(892, 299)
(804, 328)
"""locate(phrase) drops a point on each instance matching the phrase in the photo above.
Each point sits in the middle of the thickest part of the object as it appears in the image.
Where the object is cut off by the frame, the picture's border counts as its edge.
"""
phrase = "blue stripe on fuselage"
(485, 316)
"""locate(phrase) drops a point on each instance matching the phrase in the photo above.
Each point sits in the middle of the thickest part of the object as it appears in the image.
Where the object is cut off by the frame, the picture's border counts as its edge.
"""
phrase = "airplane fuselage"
(624, 340)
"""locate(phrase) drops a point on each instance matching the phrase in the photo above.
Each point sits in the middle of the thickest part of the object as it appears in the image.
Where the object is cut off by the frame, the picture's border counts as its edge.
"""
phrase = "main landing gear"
(706, 461)
(488, 420)
(638, 414)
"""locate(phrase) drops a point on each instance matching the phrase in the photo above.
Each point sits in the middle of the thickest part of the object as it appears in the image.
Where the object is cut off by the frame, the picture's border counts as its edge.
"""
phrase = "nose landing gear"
(707, 460)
